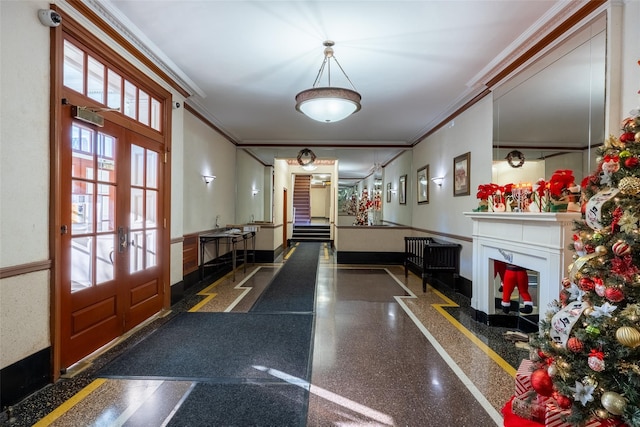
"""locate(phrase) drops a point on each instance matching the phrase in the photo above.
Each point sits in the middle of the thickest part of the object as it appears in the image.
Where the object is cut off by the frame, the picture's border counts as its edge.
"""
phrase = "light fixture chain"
(320, 72)
(345, 74)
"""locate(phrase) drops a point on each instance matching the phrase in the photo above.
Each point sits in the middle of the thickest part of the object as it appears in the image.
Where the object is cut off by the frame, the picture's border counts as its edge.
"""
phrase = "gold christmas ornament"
(613, 402)
(637, 137)
(628, 336)
(601, 250)
(602, 414)
(629, 185)
(587, 311)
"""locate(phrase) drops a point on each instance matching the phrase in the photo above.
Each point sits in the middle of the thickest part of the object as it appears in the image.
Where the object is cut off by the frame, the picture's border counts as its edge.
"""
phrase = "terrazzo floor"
(384, 354)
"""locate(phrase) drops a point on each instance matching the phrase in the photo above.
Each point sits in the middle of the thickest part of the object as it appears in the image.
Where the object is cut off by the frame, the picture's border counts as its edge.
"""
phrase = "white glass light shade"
(328, 104)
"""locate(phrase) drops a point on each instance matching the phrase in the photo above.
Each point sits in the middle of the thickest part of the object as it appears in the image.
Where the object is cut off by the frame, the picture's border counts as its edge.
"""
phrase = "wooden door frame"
(284, 218)
(59, 106)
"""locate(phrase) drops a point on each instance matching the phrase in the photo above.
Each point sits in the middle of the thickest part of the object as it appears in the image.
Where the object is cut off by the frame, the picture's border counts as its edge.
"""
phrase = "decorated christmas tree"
(587, 353)
(364, 204)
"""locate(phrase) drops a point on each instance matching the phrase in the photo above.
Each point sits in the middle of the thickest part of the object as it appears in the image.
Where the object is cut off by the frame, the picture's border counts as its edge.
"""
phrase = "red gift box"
(555, 416)
(529, 407)
(523, 377)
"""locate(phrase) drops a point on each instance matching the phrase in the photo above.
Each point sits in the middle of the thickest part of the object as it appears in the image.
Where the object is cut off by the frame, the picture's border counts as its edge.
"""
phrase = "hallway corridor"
(383, 354)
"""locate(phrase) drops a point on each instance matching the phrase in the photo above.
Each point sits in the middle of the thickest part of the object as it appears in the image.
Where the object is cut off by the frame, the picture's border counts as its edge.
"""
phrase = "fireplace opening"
(515, 294)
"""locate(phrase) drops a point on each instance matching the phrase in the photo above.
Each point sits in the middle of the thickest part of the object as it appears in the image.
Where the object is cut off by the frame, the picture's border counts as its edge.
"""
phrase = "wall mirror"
(553, 112)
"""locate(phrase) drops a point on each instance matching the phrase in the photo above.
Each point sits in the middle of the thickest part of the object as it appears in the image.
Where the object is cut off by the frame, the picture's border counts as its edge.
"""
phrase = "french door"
(111, 235)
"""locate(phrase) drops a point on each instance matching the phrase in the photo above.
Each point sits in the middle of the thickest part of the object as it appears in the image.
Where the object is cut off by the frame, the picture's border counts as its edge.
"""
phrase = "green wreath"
(515, 154)
(306, 153)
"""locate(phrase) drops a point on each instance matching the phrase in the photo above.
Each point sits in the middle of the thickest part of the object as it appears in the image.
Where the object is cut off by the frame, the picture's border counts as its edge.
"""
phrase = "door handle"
(123, 239)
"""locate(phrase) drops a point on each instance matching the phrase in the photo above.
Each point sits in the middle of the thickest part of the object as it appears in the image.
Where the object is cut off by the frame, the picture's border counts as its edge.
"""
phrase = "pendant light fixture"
(328, 104)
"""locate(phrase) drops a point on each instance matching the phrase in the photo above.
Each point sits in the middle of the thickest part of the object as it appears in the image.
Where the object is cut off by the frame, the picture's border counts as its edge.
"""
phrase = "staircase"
(302, 199)
(311, 233)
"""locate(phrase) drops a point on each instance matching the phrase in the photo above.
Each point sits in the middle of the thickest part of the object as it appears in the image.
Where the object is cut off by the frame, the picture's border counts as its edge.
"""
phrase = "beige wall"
(250, 175)
(206, 152)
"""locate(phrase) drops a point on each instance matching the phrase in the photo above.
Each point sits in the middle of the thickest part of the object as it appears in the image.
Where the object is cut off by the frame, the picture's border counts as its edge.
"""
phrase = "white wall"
(320, 202)
(469, 132)
(206, 152)
(394, 212)
(24, 179)
(177, 196)
(249, 176)
(531, 171)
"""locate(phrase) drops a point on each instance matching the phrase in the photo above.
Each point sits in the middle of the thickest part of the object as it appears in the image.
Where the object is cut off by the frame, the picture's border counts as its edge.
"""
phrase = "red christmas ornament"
(563, 401)
(541, 354)
(564, 297)
(614, 294)
(631, 162)
(541, 382)
(621, 248)
(627, 136)
(596, 360)
(586, 284)
(575, 345)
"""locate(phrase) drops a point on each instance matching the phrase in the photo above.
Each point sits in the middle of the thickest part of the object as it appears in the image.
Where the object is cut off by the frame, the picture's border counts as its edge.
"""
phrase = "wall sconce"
(254, 192)
(437, 180)
(208, 178)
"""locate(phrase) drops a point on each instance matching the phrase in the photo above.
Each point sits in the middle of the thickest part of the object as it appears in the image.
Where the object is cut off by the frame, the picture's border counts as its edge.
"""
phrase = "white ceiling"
(413, 62)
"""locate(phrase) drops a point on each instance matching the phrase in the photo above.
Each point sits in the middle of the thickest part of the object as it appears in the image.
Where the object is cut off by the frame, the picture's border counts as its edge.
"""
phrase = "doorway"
(111, 200)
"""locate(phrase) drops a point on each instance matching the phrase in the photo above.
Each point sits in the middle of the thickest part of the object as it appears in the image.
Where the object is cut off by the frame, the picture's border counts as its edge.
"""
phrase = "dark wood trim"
(208, 122)
(31, 267)
(404, 146)
(177, 240)
(122, 41)
(56, 53)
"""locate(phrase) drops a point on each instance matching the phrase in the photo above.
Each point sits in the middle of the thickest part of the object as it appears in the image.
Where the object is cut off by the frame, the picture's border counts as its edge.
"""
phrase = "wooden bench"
(426, 256)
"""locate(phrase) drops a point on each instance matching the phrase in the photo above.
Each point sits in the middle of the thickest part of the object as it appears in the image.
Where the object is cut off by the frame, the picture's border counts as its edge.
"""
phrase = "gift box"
(555, 416)
(523, 377)
(529, 407)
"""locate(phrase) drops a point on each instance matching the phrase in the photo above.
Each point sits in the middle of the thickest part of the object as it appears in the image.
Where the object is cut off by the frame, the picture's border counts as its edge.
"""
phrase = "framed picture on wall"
(462, 175)
(422, 184)
(388, 192)
(402, 198)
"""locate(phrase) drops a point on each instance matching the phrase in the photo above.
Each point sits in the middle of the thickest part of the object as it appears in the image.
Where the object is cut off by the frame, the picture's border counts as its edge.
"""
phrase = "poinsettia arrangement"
(562, 186)
(495, 195)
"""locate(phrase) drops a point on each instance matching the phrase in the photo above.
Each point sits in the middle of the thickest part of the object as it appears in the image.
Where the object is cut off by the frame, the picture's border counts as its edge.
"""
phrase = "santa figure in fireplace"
(512, 277)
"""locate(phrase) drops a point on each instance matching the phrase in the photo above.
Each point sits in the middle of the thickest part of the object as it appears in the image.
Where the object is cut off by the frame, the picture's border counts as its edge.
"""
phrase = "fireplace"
(538, 242)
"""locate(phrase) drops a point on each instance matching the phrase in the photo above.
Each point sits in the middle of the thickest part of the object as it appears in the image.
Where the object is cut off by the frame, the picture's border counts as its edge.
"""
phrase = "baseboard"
(25, 377)
(527, 324)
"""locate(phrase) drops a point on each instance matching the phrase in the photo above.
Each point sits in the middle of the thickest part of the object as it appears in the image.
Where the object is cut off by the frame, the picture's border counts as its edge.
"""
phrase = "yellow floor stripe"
(290, 252)
(485, 348)
(66, 406)
(206, 292)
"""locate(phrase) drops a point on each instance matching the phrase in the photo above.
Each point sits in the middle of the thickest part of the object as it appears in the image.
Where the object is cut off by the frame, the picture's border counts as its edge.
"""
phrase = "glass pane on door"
(93, 207)
(81, 265)
(144, 209)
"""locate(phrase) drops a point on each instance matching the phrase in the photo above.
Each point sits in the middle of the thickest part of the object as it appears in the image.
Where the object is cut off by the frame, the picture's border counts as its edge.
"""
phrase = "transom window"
(90, 77)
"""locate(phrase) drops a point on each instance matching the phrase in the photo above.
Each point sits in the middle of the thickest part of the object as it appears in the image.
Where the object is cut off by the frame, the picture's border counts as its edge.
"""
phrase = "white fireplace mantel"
(536, 241)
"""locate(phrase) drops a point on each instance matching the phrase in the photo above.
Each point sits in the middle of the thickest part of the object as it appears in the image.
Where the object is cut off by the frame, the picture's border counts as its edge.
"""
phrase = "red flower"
(624, 268)
(560, 181)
